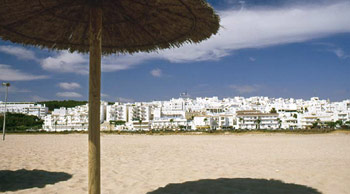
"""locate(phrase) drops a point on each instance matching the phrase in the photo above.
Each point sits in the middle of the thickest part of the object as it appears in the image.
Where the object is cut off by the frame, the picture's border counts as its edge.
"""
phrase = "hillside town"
(202, 113)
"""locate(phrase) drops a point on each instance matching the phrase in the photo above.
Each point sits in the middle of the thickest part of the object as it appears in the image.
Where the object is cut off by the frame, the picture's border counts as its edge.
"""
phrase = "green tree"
(55, 126)
(58, 104)
(295, 116)
(279, 123)
(205, 120)
(339, 122)
(258, 122)
(273, 110)
(171, 122)
(347, 124)
(140, 122)
(21, 122)
(241, 121)
(316, 124)
(331, 124)
(182, 127)
(118, 122)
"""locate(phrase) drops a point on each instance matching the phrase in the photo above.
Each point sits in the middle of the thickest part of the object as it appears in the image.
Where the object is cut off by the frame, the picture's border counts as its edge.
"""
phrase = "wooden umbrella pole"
(94, 99)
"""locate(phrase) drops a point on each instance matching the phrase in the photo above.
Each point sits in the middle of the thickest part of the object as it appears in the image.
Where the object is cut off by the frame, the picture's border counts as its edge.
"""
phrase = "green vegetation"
(258, 122)
(198, 132)
(339, 124)
(331, 125)
(117, 122)
(295, 116)
(279, 123)
(20, 122)
(205, 120)
(182, 127)
(140, 122)
(225, 132)
(316, 124)
(273, 110)
(58, 104)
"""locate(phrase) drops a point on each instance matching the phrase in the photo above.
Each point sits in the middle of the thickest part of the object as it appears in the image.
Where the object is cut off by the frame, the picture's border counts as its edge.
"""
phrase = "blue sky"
(276, 48)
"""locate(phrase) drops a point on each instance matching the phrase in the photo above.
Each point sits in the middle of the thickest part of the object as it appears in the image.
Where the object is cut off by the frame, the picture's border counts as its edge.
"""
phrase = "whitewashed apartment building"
(253, 119)
(206, 113)
(27, 108)
(70, 119)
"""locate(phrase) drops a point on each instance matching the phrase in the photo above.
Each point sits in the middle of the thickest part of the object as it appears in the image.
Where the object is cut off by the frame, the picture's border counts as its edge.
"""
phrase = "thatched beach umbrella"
(105, 27)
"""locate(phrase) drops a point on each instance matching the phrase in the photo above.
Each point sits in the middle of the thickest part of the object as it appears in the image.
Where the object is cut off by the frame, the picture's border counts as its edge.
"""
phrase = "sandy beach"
(179, 163)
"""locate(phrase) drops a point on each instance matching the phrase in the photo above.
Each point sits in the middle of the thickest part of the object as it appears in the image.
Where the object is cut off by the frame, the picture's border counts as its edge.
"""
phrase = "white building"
(139, 116)
(28, 108)
(71, 119)
(207, 113)
(252, 119)
(171, 117)
(117, 112)
(289, 120)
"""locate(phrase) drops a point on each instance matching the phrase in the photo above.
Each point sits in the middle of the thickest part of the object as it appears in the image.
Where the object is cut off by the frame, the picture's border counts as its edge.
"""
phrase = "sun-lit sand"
(142, 163)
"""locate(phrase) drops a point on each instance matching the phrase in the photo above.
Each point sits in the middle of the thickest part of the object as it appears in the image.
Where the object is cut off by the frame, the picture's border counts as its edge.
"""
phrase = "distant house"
(27, 108)
(254, 119)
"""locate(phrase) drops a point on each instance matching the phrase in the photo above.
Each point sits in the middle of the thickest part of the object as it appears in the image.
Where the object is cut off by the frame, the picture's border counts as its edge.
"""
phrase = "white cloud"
(245, 89)
(66, 62)
(156, 73)
(19, 52)
(104, 95)
(69, 85)
(39, 98)
(254, 28)
(123, 62)
(68, 94)
(247, 28)
(257, 28)
(252, 59)
(125, 100)
(9, 74)
(340, 53)
(14, 89)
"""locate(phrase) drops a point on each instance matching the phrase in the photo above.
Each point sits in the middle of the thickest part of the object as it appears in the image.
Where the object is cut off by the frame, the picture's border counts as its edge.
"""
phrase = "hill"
(58, 104)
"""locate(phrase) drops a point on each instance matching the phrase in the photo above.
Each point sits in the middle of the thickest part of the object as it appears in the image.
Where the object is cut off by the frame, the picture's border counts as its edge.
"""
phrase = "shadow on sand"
(25, 179)
(236, 185)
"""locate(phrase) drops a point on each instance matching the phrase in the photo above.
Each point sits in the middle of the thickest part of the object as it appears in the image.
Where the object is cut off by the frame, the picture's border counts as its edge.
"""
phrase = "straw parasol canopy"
(105, 27)
(128, 26)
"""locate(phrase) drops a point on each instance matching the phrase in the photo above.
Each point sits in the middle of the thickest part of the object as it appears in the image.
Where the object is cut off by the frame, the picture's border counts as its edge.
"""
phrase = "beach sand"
(245, 163)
